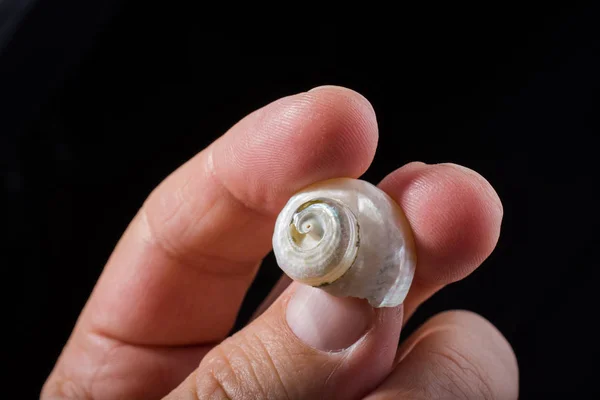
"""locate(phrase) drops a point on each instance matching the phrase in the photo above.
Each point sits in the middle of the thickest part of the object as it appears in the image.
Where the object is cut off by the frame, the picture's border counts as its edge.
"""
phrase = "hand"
(157, 321)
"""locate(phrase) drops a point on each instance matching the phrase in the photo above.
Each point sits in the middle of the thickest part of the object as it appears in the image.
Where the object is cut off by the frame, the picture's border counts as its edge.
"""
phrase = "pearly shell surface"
(349, 238)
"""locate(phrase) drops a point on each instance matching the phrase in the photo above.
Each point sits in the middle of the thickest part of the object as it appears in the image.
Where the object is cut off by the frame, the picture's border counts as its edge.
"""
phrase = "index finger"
(180, 272)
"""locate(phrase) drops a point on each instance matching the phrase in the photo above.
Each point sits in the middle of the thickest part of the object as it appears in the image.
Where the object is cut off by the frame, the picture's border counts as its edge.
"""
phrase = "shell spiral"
(320, 242)
(349, 238)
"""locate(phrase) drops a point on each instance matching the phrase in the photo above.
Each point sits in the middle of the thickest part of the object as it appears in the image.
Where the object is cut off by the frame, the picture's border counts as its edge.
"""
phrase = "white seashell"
(349, 238)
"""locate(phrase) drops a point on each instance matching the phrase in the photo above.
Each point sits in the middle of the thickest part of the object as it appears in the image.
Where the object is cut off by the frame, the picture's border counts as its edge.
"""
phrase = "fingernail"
(326, 322)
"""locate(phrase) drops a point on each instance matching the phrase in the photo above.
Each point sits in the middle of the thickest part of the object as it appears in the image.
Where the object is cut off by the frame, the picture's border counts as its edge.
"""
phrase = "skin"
(156, 324)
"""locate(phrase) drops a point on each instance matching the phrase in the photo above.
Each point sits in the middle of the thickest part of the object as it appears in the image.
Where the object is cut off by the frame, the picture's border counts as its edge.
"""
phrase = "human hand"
(157, 321)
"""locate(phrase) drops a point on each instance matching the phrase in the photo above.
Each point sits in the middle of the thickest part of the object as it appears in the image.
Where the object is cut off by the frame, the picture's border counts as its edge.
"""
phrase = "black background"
(100, 100)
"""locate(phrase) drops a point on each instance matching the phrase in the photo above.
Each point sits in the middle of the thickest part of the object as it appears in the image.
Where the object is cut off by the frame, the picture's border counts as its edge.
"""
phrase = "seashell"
(349, 238)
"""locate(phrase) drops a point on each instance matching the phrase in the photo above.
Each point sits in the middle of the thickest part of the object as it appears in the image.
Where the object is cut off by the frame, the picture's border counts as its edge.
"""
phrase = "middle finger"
(455, 215)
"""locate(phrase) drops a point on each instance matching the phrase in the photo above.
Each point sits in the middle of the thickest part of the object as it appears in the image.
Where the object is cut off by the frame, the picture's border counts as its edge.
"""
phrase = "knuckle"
(156, 217)
(457, 375)
(228, 374)
(240, 369)
(64, 388)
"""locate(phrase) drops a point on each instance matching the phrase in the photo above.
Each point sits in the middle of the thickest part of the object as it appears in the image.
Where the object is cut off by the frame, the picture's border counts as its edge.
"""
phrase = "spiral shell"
(349, 238)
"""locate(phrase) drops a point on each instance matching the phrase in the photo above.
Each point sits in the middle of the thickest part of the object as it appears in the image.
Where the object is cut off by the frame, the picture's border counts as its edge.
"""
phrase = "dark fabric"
(100, 100)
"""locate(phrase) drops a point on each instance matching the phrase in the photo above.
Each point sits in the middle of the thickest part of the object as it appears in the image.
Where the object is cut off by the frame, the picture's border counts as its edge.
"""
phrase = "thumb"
(308, 344)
